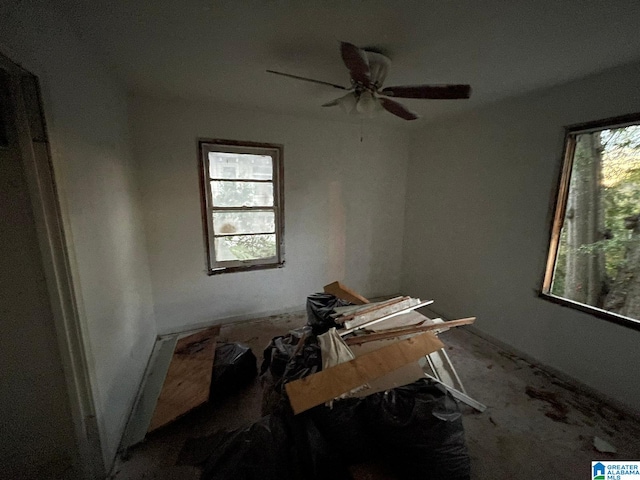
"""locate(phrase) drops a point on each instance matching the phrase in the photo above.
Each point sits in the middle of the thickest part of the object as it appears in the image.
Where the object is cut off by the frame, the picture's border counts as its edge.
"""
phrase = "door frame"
(36, 158)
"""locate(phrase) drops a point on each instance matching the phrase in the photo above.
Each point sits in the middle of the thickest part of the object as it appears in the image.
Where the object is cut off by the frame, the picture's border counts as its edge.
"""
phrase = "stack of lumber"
(390, 318)
(387, 337)
(361, 316)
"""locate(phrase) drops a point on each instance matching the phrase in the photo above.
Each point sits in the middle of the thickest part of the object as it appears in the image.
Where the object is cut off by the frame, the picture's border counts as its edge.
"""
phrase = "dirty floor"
(535, 426)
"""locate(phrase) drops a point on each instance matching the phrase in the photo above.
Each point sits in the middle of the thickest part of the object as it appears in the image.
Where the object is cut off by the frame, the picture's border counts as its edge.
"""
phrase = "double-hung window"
(242, 205)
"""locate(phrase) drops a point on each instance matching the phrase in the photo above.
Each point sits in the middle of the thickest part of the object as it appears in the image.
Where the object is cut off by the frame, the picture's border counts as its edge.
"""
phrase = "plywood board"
(188, 379)
(328, 384)
(404, 375)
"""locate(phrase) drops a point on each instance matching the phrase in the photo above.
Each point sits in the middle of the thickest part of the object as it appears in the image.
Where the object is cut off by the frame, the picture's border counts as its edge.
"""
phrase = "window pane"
(243, 222)
(241, 194)
(240, 165)
(245, 247)
(599, 248)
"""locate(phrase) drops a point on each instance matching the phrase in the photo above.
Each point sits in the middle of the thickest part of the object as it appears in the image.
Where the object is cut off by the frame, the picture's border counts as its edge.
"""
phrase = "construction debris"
(389, 392)
(400, 332)
(328, 384)
(377, 317)
(402, 348)
(408, 431)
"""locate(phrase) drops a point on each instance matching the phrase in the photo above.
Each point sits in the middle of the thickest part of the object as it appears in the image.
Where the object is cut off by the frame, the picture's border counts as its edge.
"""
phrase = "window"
(242, 205)
(594, 255)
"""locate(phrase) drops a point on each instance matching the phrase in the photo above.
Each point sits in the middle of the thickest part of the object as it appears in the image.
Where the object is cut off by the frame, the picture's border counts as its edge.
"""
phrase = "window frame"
(558, 212)
(276, 151)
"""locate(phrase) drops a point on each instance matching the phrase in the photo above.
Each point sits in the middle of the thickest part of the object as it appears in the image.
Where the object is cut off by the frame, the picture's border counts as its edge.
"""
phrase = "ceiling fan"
(368, 69)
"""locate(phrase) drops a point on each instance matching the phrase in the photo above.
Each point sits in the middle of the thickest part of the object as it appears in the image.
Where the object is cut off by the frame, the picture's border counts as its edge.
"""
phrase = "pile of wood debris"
(377, 346)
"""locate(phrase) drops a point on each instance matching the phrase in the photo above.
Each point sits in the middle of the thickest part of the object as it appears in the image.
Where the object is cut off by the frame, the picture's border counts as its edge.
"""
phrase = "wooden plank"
(386, 317)
(328, 384)
(408, 331)
(404, 375)
(360, 318)
(188, 379)
(341, 291)
(367, 309)
(348, 310)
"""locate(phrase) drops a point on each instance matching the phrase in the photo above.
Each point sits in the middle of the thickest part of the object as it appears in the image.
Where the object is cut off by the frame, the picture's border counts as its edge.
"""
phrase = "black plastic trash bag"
(320, 306)
(289, 357)
(415, 431)
(256, 452)
(234, 367)
(281, 349)
(344, 426)
(274, 448)
(419, 431)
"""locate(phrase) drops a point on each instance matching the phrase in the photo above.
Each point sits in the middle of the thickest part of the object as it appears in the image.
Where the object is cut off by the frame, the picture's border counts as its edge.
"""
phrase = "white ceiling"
(219, 50)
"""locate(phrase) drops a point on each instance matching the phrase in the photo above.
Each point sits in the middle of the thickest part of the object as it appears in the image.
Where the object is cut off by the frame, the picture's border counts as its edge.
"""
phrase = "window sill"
(597, 312)
(248, 268)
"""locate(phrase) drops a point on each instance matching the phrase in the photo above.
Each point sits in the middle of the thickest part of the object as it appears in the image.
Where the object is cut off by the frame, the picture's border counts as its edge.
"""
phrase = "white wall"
(86, 112)
(479, 200)
(344, 204)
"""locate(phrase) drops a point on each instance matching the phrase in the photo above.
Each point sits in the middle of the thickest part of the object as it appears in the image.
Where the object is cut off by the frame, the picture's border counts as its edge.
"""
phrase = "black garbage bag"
(306, 361)
(281, 349)
(274, 448)
(255, 452)
(320, 306)
(344, 426)
(418, 428)
(415, 431)
(234, 367)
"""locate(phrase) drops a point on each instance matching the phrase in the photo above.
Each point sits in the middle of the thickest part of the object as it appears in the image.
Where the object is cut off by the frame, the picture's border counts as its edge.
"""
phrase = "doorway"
(45, 400)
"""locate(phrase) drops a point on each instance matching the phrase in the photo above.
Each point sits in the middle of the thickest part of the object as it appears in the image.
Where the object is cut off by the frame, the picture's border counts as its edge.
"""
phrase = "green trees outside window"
(597, 261)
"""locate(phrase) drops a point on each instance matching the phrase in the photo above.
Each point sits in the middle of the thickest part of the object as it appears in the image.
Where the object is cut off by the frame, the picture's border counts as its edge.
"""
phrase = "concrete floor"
(536, 425)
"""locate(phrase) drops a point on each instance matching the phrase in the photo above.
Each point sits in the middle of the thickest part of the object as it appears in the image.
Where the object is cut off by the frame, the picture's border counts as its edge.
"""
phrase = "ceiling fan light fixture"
(347, 103)
(367, 103)
(366, 95)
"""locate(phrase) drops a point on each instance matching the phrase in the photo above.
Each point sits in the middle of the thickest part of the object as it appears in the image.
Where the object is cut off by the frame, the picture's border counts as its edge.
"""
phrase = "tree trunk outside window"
(584, 222)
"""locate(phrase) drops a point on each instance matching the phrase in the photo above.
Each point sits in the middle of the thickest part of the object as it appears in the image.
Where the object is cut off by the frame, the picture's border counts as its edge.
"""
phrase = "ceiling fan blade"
(378, 67)
(397, 109)
(356, 61)
(309, 80)
(332, 103)
(435, 92)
